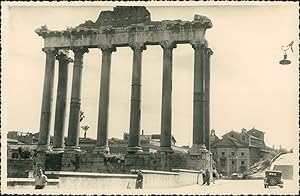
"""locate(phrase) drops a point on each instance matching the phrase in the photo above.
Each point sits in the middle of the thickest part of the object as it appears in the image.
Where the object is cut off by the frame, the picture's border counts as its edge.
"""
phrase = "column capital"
(63, 55)
(48, 50)
(209, 51)
(80, 50)
(167, 44)
(107, 48)
(198, 45)
(137, 46)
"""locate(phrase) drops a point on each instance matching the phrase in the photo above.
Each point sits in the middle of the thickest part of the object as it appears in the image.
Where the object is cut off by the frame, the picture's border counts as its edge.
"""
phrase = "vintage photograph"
(150, 98)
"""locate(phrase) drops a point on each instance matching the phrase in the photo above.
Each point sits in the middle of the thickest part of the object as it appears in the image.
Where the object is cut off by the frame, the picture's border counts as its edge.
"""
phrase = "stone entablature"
(91, 34)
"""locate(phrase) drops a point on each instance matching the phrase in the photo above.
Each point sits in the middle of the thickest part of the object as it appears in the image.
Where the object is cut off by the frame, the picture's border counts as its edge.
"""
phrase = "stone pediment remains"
(126, 16)
(123, 16)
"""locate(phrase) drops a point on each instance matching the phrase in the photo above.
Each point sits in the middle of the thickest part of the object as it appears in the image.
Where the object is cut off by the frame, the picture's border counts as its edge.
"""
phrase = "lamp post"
(285, 61)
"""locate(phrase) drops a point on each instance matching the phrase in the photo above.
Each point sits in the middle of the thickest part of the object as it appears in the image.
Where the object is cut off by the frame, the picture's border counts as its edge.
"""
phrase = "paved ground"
(242, 187)
(220, 187)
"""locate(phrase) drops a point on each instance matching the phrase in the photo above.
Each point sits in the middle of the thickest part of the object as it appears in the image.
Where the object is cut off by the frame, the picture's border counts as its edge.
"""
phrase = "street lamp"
(285, 61)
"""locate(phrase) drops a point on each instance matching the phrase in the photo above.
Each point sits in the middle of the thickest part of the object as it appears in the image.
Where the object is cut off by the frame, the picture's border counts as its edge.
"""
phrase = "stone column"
(198, 109)
(135, 110)
(207, 54)
(166, 105)
(72, 142)
(102, 142)
(45, 121)
(61, 100)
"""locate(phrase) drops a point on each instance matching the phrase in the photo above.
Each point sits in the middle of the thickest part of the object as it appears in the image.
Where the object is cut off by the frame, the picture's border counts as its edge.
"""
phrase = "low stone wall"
(188, 177)
(163, 179)
(90, 181)
(19, 168)
(103, 181)
(28, 183)
(165, 161)
(100, 163)
(159, 179)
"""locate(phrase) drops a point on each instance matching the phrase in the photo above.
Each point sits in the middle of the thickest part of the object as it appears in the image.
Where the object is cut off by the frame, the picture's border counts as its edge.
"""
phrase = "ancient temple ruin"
(123, 27)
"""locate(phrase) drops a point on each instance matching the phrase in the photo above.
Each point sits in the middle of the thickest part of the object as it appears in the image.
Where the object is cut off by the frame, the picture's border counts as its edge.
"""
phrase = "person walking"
(203, 177)
(40, 180)
(207, 176)
(201, 172)
(214, 175)
(139, 180)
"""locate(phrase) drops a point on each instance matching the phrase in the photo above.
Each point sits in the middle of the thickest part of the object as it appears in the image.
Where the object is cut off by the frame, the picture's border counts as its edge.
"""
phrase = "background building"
(149, 143)
(235, 152)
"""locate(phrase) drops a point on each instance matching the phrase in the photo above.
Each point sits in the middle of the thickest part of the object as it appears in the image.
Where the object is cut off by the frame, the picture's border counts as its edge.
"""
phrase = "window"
(223, 153)
(232, 162)
(243, 137)
(242, 162)
(232, 153)
(242, 153)
(222, 163)
(15, 155)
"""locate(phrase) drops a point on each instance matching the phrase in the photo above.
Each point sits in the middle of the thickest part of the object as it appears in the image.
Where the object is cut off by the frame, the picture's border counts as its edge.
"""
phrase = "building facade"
(235, 152)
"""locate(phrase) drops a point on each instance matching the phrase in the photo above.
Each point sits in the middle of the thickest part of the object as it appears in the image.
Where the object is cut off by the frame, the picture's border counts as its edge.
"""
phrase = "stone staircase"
(257, 170)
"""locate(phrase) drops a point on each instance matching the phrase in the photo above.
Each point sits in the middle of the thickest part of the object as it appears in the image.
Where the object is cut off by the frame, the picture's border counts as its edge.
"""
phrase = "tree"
(85, 128)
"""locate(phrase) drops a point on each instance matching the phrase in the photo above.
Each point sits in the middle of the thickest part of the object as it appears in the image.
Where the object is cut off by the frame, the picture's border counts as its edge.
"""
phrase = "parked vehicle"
(236, 176)
(273, 178)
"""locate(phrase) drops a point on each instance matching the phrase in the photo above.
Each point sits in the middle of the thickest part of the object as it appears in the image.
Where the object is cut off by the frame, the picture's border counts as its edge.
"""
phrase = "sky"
(249, 88)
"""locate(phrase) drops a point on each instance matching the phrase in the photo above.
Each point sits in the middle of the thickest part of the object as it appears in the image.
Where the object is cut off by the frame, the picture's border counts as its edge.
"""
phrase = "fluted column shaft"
(198, 107)
(207, 53)
(166, 105)
(45, 121)
(74, 127)
(135, 108)
(102, 131)
(61, 100)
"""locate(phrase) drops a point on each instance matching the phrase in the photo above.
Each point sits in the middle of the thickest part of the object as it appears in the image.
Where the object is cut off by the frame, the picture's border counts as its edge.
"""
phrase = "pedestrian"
(214, 175)
(203, 177)
(40, 180)
(200, 173)
(139, 180)
(207, 176)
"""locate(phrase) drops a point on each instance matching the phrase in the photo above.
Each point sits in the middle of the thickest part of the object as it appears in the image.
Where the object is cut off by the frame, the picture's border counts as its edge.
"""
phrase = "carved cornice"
(167, 44)
(203, 21)
(42, 31)
(109, 30)
(135, 28)
(173, 26)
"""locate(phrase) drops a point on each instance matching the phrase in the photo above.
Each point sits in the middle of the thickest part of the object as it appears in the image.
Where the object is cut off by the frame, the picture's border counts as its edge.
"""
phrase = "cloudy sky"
(248, 86)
